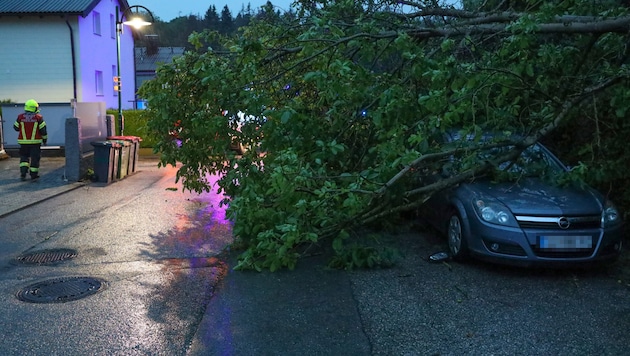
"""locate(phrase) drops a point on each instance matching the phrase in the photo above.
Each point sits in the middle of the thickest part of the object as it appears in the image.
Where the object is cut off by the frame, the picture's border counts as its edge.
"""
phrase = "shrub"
(136, 125)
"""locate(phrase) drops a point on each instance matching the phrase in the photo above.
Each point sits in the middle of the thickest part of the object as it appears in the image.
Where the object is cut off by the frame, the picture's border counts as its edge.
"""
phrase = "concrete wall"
(55, 115)
(92, 116)
(71, 129)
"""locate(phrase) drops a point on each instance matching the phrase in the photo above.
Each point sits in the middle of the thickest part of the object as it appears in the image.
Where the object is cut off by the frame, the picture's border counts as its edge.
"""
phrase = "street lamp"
(132, 19)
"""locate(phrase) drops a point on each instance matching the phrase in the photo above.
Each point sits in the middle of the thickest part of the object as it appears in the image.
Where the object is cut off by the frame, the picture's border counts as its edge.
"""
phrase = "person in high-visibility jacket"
(32, 134)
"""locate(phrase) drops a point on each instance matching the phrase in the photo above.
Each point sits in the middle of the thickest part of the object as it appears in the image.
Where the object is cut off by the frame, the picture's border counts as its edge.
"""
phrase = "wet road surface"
(170, 290)
(151, 243)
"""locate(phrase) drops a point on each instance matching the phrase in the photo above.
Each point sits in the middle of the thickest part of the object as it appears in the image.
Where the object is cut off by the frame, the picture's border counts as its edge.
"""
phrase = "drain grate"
(47, 256)
(61, 290)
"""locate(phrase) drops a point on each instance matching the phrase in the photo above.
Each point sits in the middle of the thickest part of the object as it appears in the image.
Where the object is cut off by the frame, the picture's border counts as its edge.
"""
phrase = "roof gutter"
(74, 61)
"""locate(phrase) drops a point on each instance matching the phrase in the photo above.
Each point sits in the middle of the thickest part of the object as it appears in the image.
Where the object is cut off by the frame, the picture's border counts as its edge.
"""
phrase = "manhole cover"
(60, 290)
(47, 256)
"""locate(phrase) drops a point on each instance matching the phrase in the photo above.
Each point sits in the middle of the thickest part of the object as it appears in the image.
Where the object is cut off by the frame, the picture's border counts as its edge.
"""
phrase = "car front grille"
(559, 223)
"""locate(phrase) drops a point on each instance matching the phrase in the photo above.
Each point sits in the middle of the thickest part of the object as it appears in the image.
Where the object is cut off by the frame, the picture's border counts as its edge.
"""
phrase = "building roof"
(50, 7)
(149, 62)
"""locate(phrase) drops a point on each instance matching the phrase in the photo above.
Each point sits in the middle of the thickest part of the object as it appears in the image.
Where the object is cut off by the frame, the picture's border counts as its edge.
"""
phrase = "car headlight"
(494, 212)
(610, 215)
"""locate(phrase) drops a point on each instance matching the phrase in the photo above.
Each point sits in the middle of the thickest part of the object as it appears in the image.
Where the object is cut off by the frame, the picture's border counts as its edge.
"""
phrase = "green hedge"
(136, 125)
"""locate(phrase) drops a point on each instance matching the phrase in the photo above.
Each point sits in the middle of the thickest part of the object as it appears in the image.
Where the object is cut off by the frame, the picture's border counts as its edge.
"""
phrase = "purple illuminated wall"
(98, 53)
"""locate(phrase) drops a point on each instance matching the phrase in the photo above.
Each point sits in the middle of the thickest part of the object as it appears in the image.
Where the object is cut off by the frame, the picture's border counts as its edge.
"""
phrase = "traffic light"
(117, 86)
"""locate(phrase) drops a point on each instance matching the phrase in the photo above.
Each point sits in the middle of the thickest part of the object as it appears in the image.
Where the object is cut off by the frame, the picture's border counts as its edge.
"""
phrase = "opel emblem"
(564, 223)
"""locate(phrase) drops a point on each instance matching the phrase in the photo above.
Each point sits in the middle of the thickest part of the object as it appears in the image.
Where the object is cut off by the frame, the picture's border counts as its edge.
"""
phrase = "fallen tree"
(343, 101)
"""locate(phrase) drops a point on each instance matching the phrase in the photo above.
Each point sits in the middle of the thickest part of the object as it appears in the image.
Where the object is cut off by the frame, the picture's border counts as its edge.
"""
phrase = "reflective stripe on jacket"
(31, 128)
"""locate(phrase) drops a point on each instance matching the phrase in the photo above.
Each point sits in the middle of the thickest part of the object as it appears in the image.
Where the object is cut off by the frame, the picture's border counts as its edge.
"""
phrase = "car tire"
(457, 240)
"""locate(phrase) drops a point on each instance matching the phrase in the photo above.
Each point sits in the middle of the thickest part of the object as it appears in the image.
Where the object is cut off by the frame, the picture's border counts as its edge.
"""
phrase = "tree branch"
(481, 24)
(568, 105)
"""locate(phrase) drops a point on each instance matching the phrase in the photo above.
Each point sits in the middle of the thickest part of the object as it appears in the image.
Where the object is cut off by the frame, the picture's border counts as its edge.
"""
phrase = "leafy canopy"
(343, 101)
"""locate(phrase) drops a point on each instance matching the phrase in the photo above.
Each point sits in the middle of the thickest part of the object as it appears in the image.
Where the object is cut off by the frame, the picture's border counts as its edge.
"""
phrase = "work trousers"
(30, 156)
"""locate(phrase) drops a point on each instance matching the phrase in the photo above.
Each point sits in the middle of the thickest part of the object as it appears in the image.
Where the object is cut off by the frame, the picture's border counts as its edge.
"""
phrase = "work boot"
(22, 177)
(34, 176)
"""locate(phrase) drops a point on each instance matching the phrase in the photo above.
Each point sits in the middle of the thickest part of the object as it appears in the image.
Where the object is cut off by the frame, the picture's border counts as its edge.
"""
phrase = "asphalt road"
(170, 290)
(143, 237)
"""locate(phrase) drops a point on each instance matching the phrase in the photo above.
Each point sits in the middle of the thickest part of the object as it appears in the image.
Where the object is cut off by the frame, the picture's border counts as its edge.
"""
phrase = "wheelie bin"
(134, 150)
(106, 160)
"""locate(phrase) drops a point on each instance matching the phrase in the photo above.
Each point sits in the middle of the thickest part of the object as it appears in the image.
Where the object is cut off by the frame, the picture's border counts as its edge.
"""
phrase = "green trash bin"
(106, 157)
(134, 150)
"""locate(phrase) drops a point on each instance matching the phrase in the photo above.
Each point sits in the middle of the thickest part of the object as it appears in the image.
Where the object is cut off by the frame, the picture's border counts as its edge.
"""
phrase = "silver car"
(527, 220)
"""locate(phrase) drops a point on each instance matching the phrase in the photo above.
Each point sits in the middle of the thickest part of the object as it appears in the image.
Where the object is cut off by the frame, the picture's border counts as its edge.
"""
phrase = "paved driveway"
(424, 308)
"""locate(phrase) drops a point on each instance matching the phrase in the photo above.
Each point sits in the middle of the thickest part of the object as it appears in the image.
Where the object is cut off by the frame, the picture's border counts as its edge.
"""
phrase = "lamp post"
(135, 20)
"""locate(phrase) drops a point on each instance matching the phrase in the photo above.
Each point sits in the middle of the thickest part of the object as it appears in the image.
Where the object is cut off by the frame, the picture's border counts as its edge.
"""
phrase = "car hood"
(532, 196)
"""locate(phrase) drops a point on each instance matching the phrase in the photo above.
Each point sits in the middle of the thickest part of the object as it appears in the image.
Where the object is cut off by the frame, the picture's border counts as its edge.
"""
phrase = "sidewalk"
(51, 183)
(16, 195)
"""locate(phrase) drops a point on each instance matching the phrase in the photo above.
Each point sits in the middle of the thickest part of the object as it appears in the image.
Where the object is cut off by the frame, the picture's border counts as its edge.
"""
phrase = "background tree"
(211, 20)
(244, 16)
(346, 98)
(227, 22)
(175, 32)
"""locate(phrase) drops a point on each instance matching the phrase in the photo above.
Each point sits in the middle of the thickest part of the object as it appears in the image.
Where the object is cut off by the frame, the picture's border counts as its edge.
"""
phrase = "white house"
(59, 51)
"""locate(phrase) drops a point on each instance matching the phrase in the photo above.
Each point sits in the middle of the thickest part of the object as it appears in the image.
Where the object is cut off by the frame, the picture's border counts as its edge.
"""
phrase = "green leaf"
(337, 244)
(286, 115)
(529, 69)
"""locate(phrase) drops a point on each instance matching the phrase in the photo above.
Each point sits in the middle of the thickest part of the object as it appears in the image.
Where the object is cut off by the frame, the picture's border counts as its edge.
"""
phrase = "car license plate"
(565, 242)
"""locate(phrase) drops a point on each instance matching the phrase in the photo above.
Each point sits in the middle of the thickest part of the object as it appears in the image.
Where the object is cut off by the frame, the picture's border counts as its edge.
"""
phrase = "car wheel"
(457, 243)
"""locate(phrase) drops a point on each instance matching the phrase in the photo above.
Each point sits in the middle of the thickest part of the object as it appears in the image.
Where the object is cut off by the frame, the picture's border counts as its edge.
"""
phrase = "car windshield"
(534, 161)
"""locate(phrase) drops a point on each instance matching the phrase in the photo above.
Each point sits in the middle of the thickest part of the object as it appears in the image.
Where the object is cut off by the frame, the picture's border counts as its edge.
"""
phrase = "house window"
(98, 80)
(96, 22)
(114, 74)
(112, 25)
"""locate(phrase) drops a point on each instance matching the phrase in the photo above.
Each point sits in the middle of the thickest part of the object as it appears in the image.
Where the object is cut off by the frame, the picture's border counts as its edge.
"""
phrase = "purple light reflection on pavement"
(189, 255)
(215, 229)
(213, 201)
(216, 225)
(203, 230)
